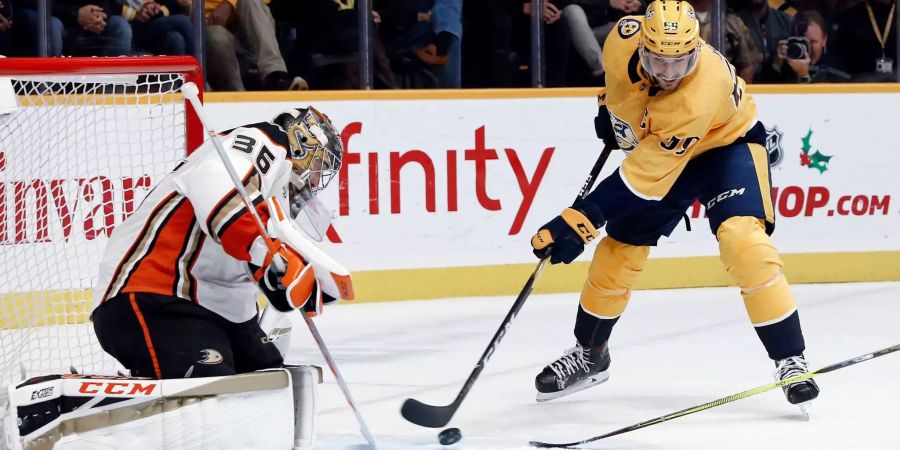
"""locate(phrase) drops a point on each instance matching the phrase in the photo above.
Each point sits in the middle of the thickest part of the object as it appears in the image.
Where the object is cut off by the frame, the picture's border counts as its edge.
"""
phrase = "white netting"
(76, 158)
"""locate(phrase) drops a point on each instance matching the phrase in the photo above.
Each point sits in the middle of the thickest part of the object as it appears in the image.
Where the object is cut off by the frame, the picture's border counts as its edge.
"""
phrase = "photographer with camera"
(767, 27)
(867, 40)
(802, 57)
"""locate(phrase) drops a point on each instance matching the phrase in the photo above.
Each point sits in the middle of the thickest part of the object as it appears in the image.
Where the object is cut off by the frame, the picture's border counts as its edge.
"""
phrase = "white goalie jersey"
(192, 236)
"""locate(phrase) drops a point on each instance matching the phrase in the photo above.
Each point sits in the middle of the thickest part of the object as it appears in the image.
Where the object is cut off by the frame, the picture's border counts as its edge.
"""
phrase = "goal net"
(82, 141)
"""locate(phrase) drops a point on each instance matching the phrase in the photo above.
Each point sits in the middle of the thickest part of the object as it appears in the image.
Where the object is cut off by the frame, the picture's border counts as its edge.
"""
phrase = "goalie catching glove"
(563, 238)
(289, 283)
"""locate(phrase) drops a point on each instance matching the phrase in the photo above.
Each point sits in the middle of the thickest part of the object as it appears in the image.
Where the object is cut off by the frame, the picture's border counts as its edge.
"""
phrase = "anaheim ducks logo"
(628, 27)
(211, 356)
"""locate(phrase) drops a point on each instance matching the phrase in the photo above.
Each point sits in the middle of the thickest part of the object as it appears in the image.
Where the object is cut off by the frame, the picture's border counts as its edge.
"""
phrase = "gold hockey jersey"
(663, 130)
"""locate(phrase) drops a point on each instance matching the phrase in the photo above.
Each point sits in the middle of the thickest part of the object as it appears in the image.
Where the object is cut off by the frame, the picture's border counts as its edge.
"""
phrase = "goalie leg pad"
(304, 380)
(613, 271)
(255, 410)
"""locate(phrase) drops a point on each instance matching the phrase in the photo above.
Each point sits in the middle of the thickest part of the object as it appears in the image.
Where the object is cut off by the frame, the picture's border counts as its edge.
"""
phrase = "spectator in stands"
(421, 33)
(770, 29)
(327, 43)
(557, 40)
(740, 49)
(589, 22)
(866, 39)
(93, 27)
(445, 48)
(827, 8)
(24, 32)
(161, 27)
(492, 58)
(247, 26)
(817, 65)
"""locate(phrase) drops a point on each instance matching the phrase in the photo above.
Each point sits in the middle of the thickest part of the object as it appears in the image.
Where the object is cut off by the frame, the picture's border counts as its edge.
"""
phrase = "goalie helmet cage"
(82, 141)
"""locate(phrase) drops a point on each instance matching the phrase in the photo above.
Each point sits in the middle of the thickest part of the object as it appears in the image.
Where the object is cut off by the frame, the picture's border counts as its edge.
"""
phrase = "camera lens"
(795, 50)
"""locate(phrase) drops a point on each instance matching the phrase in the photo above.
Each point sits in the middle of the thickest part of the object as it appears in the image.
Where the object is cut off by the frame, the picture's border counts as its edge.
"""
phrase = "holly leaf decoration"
(819, 161)
(806, 145)
(815, 160)
(804, 159)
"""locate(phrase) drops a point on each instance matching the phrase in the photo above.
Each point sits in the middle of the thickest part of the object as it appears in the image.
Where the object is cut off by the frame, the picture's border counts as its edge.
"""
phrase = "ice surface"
(671, 350)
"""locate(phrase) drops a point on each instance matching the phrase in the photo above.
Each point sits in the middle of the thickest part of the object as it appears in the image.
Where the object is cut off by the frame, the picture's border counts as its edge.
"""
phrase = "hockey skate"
(800, 393)
(578, 368)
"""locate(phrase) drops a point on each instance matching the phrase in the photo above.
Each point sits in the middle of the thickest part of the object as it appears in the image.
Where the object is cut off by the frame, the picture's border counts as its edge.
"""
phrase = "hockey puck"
(449, 436)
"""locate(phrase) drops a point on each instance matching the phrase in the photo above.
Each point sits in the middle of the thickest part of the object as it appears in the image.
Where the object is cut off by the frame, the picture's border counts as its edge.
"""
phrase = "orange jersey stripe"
(238, 234)
(157, 272)
(127, 260)
(147, 340)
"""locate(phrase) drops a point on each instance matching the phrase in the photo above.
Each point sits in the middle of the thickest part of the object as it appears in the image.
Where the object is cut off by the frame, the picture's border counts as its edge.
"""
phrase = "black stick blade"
(426, 415)
(540, 444)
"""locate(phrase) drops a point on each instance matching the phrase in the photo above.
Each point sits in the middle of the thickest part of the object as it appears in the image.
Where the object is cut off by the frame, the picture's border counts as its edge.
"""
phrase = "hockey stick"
(190, 92)
(725, 400)
(437, 416)
(340, 379)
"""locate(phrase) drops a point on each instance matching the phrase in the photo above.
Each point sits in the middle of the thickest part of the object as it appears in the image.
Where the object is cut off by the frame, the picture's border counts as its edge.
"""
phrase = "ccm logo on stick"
(116, 388)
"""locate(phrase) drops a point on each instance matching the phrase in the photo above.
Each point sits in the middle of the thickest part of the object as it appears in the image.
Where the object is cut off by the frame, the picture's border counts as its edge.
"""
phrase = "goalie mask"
(316, 152)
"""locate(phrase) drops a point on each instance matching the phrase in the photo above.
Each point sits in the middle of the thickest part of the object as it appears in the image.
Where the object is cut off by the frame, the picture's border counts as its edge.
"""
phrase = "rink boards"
(441, 190)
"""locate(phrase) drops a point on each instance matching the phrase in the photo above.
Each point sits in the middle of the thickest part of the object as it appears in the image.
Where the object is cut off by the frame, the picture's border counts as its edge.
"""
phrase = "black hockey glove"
(564, 237)
(271, 286)
(603, 125)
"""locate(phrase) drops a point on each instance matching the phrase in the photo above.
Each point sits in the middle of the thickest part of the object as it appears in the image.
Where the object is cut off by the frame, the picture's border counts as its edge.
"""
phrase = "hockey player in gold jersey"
(680, 111)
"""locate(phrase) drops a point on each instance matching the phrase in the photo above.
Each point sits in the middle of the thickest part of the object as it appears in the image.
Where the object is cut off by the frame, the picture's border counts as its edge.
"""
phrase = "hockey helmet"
(316, 154)
(670, 40)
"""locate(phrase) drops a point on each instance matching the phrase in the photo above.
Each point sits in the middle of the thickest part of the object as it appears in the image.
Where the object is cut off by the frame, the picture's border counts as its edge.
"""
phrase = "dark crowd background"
(314, 44)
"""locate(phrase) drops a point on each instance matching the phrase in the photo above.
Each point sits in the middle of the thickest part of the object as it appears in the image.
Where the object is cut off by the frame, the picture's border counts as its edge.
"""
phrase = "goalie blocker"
(272, 409)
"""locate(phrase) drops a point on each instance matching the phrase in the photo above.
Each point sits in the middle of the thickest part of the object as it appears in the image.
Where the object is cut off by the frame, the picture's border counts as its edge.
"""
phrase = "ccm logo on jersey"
(723, 196)
(627, 27)
(116, 388)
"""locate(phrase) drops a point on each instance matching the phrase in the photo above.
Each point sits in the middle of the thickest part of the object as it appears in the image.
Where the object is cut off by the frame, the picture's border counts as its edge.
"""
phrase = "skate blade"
(581, 385)
(804, 409)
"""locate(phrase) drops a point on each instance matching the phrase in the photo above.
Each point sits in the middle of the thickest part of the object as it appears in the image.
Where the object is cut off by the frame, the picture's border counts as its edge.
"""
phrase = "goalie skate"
(579, 368)
(801, 393)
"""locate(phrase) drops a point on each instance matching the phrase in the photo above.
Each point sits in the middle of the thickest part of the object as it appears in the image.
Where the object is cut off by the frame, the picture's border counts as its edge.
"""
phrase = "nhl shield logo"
(773, 146)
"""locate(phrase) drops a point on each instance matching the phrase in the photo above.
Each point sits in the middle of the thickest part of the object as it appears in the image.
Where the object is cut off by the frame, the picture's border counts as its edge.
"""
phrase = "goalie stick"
(722, 401)
(190, 92)
(437, 416)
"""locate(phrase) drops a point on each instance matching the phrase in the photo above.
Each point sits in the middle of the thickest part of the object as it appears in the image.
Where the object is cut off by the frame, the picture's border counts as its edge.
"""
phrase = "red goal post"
(85, 140)
(186, 66)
